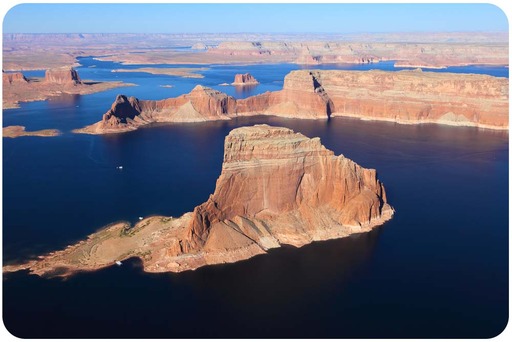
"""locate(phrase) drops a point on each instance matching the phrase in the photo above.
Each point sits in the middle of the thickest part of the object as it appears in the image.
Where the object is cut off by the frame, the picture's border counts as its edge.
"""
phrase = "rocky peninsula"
(406, 97)
(17, 88)
(276, 187)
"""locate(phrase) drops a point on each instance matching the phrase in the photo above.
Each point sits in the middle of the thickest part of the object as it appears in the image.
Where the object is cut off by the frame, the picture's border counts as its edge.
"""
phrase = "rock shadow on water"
(243, 91)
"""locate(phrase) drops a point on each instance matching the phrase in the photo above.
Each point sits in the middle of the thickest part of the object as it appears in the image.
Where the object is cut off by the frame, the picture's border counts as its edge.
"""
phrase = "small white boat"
(118, 263)
(119, 167)
(141, 218)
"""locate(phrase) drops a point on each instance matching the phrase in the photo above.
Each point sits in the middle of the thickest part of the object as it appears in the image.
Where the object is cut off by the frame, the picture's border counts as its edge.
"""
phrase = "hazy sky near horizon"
(268, 18)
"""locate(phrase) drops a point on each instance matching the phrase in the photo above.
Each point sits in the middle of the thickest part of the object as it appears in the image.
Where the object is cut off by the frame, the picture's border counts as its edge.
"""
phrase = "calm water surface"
(439, 268)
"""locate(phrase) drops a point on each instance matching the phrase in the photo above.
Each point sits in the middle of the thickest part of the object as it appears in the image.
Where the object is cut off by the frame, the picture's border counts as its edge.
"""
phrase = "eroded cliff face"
(65, 75)
(408, 97)
(244, 79)
(201, 104)
(276, 187)
(8, 78)
(413, 97)
(17, 88)
(426, 54)
(279, 186)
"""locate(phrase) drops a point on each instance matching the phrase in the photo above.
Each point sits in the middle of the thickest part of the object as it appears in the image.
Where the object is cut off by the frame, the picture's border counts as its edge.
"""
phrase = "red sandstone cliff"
(64, 75)
(14, 77)
(244, 79)
(426, 54)
(276, 187)
(201, 104)
(17, 88)
(408, 97)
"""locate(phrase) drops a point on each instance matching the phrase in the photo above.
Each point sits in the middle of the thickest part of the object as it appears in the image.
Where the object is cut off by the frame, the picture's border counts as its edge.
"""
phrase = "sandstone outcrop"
(244, 79)
(276, 187)
(64, 75)
(17, 88)
(201, 104)
(9, 78)
(427, 54)
(407, 97)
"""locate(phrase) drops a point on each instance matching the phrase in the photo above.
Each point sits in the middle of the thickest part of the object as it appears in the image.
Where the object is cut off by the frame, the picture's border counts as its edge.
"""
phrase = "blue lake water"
(439, 268)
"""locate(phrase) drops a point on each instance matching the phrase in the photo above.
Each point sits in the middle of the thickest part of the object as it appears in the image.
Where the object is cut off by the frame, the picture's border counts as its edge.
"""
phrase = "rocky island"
(276, 187)
(244, 80)
(406, 97)
(19, 131)
(17, 88)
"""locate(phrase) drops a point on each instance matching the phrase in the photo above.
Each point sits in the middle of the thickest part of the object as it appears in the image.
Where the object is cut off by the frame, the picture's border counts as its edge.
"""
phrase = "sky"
(264, 18)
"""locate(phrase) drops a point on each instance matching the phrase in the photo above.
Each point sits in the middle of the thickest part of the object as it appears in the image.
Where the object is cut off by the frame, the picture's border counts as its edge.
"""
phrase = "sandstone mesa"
(432, 49)
(406, 97)
(65, 80)
(244, 80)
(276, 187)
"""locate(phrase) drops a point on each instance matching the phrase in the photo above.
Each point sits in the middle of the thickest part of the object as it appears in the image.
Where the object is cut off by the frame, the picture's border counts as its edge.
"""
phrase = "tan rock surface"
(13, 77)
(244, 80)
(17, 88)
(19, 131)
(435, 55)
(407, 97)
(64, 75)
(276, 187)
(436, 49)
(201, 104)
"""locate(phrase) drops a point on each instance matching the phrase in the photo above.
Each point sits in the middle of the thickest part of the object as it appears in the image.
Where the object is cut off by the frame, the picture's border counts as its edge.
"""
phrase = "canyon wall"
(435, 55)
(407, 97)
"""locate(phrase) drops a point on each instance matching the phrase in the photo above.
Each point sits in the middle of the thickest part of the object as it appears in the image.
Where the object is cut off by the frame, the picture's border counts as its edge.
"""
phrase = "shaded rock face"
(244, 79)
(64, 75)
(278, 184)
(122, 109)
(408, 97)
(14, 77)
(201, 104)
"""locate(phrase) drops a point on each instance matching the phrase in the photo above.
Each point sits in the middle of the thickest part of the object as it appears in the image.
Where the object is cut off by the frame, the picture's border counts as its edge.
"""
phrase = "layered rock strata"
(276, 187)
(244, 80)
(434, 55)
(64, 75)
(9, 78)
(408, 97)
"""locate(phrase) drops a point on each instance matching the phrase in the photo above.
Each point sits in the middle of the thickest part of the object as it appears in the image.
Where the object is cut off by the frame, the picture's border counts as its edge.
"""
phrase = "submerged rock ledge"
(276, 187)
(405, 97)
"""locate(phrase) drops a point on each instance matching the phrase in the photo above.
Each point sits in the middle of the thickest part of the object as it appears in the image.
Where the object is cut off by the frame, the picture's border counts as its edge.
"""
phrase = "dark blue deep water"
(439, 268)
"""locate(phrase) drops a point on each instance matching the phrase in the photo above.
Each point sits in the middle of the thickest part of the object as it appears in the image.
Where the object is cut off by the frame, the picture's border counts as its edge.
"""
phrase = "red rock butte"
(64, 75)
(276, 187)
(406, 97)
(9, 78)
(17, 88)
(244, 80)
